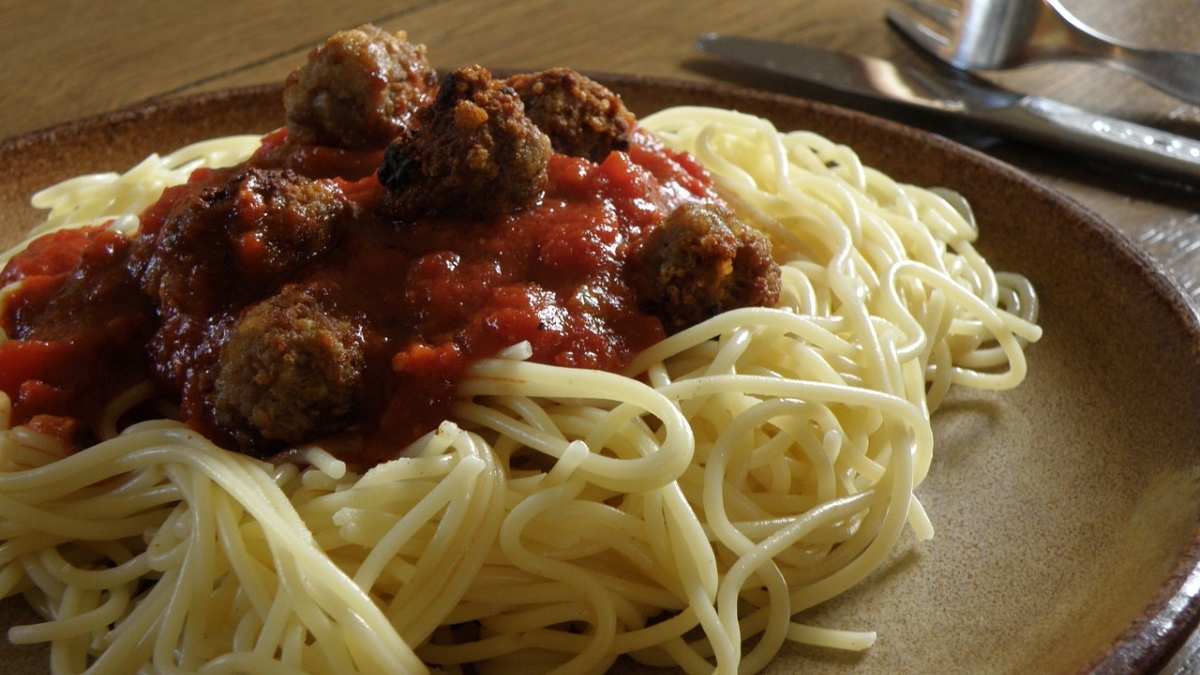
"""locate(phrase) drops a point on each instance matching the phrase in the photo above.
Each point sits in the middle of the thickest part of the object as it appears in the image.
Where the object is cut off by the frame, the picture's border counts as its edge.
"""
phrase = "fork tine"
(925, 37)
(941, 15)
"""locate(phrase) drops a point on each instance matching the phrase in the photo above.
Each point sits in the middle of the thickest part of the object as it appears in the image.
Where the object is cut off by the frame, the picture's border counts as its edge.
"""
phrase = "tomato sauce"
(433, 295)
(77, 327)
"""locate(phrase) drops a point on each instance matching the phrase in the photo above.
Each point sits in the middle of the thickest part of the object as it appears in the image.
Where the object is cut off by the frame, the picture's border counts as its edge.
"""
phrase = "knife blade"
(1025, 117)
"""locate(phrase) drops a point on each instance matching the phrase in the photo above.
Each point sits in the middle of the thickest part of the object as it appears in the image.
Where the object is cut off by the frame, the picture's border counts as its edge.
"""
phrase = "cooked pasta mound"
(683, 513)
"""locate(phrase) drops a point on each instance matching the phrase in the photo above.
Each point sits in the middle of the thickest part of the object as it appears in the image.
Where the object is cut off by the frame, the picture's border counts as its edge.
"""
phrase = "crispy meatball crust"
(473, 153)
(700, 262)
(357, 90)
(269, 221)
(289, 372)
(582, 117)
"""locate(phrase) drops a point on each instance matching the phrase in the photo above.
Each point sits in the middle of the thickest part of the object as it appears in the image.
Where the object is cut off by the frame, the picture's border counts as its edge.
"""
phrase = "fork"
(999, 34)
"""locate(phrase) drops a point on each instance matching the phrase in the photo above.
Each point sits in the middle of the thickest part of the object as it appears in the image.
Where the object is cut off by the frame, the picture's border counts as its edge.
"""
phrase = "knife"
(1025, 117)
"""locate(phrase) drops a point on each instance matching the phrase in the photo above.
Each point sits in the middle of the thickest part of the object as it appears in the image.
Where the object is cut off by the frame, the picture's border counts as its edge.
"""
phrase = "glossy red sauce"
(77, 326)
(435, 295)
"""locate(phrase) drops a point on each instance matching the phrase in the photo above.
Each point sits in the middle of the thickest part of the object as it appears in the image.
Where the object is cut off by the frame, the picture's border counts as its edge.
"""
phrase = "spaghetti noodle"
(682, 513)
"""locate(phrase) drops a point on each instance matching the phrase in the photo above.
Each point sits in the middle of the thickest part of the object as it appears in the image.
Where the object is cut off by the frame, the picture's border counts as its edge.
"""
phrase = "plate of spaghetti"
(394, 370)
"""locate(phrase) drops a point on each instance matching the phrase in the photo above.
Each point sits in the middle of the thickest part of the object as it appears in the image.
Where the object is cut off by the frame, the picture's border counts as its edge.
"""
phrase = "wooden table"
(64, 60)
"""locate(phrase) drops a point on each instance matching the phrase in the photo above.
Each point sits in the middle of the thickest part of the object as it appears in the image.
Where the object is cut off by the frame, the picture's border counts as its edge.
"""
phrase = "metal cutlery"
(953, 93)
(998, 34)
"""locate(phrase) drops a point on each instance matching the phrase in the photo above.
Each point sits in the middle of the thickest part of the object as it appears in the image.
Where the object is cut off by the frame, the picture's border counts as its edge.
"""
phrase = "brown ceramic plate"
(1066, 511)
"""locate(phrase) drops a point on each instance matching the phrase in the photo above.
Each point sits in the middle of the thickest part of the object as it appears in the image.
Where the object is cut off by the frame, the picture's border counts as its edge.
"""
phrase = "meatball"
(473, 153)
(702, 261)
(357, 90)
(288, 373)
(581, 116)
(256, 228)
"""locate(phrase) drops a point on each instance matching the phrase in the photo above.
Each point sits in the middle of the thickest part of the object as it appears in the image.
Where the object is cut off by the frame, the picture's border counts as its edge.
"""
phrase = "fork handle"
(1176, 73)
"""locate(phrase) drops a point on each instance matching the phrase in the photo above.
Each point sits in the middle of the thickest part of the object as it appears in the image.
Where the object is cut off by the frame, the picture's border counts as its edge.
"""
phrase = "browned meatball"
(289, 372)
(700, 262)
(473, 153)
(253, 229)
(358, 89)
(581, 116)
